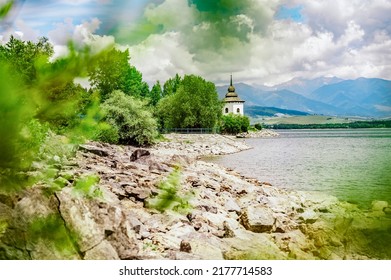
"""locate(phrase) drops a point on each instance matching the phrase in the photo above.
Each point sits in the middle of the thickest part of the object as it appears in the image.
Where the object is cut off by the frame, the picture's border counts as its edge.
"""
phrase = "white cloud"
(80, 34)
(161, 57)
(346, 38)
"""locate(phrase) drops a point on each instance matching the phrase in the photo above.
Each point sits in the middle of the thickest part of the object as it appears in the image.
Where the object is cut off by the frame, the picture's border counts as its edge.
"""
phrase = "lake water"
(354, 165)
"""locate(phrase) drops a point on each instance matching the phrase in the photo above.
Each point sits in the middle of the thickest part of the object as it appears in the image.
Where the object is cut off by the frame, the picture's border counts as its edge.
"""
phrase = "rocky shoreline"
(104, 204)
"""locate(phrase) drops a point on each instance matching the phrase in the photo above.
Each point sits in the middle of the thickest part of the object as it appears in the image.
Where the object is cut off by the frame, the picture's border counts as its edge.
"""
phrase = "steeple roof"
(231, 95)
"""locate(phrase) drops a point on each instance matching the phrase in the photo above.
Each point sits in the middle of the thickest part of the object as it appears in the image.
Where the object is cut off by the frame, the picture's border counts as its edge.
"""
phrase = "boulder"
(379, 205)
(308, 216)
(231, 205)
(138, 154)
(258, 219)
(94, 150)
(185, 246)
(103, 251)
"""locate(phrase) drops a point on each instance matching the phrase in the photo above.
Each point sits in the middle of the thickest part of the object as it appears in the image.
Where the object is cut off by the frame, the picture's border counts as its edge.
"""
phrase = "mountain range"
(365, 97)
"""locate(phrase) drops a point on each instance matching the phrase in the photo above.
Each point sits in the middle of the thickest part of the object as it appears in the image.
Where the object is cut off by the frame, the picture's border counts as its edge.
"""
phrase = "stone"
(258, 219)
(379, 205)
(252, 246)
(103, 251)
(205, 250)
(231, 205)
(185, 246)
(94, 150)
(138, 154)
(78, 216)
(228, 232)
(308, 216)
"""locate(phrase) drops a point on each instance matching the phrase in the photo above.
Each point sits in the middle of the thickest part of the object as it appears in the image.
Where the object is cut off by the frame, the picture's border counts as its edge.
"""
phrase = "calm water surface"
(354, 165)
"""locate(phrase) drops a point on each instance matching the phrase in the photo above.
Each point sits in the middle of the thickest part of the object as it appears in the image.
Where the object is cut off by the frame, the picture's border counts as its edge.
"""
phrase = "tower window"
(226, 110)
(238, 111)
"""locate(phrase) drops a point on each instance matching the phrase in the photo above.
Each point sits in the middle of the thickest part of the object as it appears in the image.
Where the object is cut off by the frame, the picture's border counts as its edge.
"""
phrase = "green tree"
(156, 93)
(171, 85)
(23, 58)
(112, 71)
(131, 119)
(195, 104)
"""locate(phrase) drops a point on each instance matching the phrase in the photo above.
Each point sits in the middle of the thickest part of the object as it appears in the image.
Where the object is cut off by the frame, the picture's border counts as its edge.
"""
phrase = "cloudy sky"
(258, 41)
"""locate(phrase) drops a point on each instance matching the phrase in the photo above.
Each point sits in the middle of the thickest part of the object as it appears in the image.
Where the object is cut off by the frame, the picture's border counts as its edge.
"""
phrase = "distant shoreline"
(348, 125)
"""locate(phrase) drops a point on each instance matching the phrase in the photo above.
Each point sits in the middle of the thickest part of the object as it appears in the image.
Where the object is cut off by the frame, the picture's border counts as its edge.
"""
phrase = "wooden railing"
(191, 130)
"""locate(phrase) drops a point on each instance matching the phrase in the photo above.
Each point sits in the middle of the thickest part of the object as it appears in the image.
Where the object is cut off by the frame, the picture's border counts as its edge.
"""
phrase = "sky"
(258, 41)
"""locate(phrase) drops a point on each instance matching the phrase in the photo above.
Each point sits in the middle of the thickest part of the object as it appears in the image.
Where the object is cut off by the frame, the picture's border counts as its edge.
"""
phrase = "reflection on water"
(354, 165)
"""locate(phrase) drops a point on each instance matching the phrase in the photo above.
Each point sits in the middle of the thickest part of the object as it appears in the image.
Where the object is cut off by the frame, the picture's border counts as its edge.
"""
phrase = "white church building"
(232, 102)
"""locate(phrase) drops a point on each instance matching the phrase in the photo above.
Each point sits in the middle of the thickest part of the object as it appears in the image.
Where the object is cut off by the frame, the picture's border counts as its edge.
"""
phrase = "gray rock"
(103, 251)
(258, 219)
(79, 214)
(138, 154)
(94, 150)
(231, 205)
(308, 216)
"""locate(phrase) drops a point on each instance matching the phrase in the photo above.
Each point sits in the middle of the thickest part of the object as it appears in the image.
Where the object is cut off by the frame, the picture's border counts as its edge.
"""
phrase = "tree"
(130, 118)
(156, 94)
(112, 71)
(171, 85)
(24, 58)
(195, 104)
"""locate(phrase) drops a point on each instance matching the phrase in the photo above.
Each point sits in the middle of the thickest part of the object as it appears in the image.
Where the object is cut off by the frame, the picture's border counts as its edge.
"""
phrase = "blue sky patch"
(290, 13)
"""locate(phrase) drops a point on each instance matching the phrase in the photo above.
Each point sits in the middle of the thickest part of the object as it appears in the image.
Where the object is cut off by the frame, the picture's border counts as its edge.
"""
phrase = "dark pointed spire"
(231, 88)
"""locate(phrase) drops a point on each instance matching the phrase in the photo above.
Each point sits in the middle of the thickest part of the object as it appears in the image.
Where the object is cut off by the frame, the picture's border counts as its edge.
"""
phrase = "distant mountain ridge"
(367, 97)
(254, 111)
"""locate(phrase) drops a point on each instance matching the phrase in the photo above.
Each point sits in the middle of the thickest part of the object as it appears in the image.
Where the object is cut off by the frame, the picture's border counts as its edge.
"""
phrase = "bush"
(131, 118)
(108, 134)
(233, 124)
(258, 126)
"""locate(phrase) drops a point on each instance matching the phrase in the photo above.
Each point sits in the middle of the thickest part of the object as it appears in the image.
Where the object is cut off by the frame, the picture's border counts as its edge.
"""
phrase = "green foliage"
(107, 134)
(195, 104)
(87, 186)
(131, 117)
(3, 227)
(171, 85)
(258, 126)
(156, 94)
(168, 198)
(5, 8)
(25, 58)
(36, 94)
(233, 124)
(111, 71)
(33, 136)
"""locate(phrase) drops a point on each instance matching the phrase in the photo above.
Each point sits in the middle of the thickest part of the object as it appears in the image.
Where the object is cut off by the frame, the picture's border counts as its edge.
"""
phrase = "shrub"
(233, 124)
(108, 134)
(131, 118)
(258, 126)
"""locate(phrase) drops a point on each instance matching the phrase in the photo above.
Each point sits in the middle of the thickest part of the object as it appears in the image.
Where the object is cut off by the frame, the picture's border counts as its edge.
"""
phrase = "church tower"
(232, 102)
